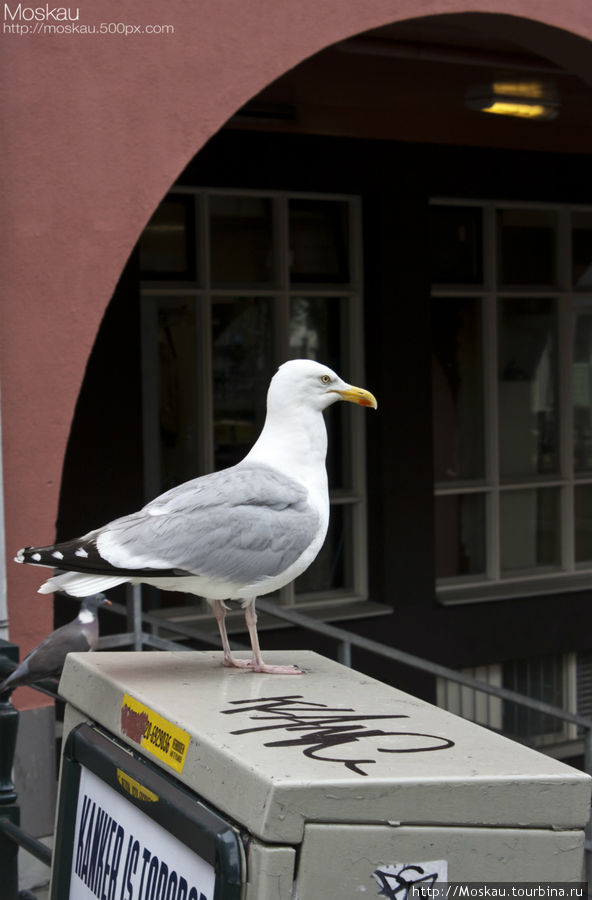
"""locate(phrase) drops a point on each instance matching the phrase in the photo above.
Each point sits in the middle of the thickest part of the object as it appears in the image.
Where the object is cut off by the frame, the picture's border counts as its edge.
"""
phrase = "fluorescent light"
(521, 110)
(522, 99)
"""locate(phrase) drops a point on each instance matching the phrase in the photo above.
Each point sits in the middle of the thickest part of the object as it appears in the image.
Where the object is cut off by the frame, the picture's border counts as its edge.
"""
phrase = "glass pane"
(528, 416)
(527, 247)
(167, 244)
(541, 678)
(333, 567)
(583, 522)
(178, 399)
(581, 249)
(457, 390)
(241, 240)
(529, 529)
(242, 367)
(460, 535)
(319, 241)
(582, 387)
(318, 326)
(456, 245)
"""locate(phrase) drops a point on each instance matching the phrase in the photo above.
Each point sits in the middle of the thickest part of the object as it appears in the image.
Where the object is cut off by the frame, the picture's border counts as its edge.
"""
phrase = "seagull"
(235, 534)
(47, 659)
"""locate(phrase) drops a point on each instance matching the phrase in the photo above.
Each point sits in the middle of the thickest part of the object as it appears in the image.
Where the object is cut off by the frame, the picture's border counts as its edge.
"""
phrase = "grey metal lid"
(332, 745)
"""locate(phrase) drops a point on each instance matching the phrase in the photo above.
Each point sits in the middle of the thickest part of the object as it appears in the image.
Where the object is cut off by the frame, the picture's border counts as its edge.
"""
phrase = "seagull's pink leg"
(257, 663)
(229, 659)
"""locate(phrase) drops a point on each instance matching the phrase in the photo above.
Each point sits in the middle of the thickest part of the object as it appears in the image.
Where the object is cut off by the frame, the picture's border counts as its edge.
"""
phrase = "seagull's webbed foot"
(231, 662)
(254, 665)
(260, 666)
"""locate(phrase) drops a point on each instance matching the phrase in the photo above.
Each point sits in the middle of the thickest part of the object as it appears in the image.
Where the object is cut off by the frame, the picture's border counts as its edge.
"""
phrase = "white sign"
(122, 854)
(398, 880)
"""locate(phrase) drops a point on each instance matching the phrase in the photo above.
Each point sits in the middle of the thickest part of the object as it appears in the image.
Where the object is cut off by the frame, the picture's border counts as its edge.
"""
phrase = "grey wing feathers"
(48, 657)
(239, 524)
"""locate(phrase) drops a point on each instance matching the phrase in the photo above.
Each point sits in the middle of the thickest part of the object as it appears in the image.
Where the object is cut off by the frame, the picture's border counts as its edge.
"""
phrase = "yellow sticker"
(135, 789)
(155, 734)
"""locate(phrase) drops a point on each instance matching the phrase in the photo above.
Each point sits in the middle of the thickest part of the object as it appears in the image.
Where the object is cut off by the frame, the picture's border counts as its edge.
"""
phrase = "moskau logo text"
(45, 13)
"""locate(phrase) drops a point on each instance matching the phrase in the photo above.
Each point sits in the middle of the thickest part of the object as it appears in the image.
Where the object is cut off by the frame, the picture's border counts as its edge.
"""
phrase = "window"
(549, 678)
(511, 309)
(233, 284)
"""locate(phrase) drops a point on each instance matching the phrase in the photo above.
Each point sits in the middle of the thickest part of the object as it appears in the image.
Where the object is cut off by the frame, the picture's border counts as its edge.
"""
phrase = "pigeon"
(47, 659)
(234, 534)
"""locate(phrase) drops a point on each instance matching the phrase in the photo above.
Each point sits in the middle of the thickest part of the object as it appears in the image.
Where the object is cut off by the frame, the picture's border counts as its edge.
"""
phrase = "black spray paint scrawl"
(318, 727)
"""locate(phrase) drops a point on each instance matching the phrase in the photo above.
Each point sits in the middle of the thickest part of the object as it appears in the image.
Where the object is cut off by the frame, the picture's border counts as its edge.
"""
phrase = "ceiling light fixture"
(522, 99)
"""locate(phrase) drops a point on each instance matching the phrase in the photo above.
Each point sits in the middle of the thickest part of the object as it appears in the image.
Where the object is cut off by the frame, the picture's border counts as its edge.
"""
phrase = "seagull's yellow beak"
(359, 396)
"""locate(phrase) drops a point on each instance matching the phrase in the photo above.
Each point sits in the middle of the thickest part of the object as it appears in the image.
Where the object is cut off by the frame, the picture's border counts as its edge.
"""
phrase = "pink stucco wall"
(96, 128)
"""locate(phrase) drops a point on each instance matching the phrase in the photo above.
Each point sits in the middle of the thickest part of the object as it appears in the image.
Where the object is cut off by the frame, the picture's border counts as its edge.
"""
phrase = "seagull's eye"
(326, 379)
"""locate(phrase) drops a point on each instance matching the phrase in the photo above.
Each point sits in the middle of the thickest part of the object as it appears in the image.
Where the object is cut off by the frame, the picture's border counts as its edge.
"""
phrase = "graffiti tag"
(318, 728)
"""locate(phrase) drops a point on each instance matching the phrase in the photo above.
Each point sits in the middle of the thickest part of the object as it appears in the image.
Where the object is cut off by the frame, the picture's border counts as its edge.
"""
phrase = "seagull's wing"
(234, 525)
(238, 525)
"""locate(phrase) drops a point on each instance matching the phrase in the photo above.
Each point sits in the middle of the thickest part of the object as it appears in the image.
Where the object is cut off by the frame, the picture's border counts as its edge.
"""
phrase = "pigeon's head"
(305, 382)
(93, 602)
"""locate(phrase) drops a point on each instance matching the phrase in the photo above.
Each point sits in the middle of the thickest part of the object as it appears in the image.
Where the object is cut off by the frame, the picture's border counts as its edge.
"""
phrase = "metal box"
(330, 784)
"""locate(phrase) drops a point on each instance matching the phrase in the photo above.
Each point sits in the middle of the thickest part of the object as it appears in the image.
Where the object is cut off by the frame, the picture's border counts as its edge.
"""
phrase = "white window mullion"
(203, 337)
(490, 385)
(287, 594)
(566, 433)
(150, 397)
(282, 306)
(355, 353)
(565, 365)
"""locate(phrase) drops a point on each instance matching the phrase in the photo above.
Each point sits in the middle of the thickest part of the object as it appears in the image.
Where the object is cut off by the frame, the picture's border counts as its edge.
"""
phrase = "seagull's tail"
(78, 584)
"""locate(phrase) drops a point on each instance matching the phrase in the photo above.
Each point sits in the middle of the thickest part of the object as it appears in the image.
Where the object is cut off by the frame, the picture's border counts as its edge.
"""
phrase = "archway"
(108, 188)
(483, 35)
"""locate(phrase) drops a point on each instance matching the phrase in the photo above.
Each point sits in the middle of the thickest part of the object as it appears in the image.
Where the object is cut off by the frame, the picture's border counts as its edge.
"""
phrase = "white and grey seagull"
(234, 534)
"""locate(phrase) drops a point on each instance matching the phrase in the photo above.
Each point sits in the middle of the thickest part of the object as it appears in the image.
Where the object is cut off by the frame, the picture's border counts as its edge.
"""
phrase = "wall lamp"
(523, 99)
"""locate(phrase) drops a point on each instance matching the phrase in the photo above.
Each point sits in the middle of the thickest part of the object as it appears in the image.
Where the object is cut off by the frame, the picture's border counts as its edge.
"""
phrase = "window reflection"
(333, 567)
(542, 678)
(460, 535)
(317, 329)
(581, 249)
(527, 247)
(527, 384)
(177, 394)
(167, 244)
(529, 529)
(242, 367)
(583, 520)
(582, 387)
(457, 385)
(319, 241)
(456, 236)
(241, 240)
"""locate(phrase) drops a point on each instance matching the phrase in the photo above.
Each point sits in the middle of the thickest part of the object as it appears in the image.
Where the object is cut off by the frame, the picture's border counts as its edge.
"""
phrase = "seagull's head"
(305, 382)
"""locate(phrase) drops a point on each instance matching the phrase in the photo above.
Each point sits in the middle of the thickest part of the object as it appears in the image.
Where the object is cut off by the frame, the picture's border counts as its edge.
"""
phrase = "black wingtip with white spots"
(82, 556)
(42, 556)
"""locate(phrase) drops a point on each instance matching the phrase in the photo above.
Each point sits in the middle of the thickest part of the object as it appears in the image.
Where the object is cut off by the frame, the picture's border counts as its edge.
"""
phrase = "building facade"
(191, 204)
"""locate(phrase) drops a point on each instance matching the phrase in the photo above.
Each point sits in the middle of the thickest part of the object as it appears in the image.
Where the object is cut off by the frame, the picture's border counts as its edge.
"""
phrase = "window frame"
(568, 575)
(280, 290)
(488, 710)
